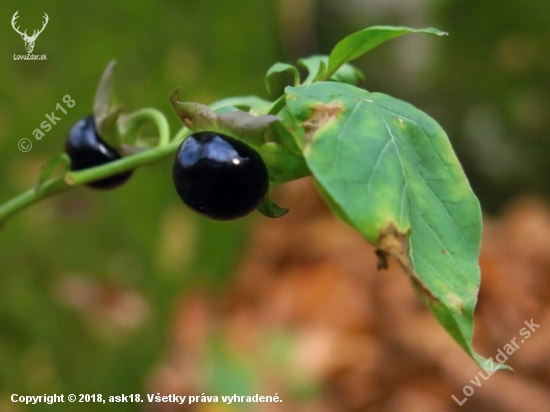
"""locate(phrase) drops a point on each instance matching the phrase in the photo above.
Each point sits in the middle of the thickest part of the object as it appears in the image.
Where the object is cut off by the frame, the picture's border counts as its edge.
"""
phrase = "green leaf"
(47, 170)
(389, 170)
(283, 165)
(107, 127)
(293, 128)
(106, 107)
(317, 64)
(359, 43)
(281, 68)
(277, 132)
(348, 74)
(227, 109)
(269, 209)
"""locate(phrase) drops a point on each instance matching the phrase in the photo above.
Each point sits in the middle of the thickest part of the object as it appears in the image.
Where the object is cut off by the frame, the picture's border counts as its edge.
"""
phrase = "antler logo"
(29, 40)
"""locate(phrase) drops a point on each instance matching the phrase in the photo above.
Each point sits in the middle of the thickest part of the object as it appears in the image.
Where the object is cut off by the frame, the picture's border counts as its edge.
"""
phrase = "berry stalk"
(70, 179)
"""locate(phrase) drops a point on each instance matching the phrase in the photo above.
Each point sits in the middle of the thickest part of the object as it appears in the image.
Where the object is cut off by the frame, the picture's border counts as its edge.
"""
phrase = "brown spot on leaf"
(424, 293)
(322, 114)
(443, 251)
(393, 243)
(457, 303)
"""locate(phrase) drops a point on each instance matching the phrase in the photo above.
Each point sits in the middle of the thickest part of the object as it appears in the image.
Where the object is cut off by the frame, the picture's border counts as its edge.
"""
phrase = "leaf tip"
(267, 85)
(437, 32)
(270, 209)
(175, 96)
(111, 65)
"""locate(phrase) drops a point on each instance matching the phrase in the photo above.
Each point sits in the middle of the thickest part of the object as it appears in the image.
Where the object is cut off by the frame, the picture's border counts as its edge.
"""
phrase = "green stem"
(29, 197)
(278, 105)
(133, 122)
(181, 134)
(71, 179)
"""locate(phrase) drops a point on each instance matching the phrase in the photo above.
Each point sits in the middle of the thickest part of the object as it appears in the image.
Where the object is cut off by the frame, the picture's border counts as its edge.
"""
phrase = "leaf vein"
(377, 164)
(339, 138)
(435, 270)
(424, 133)
(443, 246)
(446, 211)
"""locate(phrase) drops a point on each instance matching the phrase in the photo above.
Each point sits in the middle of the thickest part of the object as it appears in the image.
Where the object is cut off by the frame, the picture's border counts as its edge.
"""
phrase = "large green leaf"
(361, 42)
(389, 170)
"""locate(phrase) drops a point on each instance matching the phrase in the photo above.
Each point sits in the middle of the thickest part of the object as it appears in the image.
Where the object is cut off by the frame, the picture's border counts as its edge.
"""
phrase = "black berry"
(219, 176)
(87, 149)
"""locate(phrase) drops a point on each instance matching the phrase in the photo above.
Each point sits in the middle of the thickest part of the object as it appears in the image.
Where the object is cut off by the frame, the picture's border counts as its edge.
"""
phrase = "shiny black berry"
(87, 149)
(219, 176)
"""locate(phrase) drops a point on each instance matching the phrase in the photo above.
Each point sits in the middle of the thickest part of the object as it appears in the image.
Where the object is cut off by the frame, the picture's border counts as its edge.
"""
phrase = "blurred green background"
(89, 280)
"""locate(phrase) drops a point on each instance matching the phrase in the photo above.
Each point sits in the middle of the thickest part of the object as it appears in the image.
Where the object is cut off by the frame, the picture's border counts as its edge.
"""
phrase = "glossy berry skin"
(218, 176)
(87, 149)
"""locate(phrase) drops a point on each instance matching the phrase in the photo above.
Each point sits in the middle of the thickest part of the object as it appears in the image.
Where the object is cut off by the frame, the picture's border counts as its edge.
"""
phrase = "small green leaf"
(269, 209)
(348, 74)
(241, 102)
(227, 109)
(105, 99)
(389, 170)
(318, 63)
(359, 43)
(281, 68)
(107, 128)
(47, 170)
(315, 66)
(107, 108)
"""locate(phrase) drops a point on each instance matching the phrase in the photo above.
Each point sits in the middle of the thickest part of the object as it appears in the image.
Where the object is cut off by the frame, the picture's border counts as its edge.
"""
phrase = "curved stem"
(181, 134)
(135, 120)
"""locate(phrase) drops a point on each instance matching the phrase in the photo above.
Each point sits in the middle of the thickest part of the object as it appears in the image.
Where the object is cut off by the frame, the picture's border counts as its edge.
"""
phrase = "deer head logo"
(29, 40)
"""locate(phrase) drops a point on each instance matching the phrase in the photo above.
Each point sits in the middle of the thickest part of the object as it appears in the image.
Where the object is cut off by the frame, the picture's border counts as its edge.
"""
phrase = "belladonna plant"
(383, 166)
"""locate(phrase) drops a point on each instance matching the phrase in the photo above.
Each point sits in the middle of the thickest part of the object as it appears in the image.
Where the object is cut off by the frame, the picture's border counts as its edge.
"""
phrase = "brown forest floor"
(359, 338)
